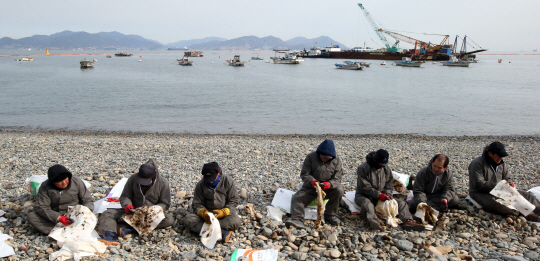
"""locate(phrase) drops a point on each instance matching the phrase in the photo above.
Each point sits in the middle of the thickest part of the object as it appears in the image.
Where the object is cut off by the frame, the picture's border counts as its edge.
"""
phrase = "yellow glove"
(204, 214)
(221, 213)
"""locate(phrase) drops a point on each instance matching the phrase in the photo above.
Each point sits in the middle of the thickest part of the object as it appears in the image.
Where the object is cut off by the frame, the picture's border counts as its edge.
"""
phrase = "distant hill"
(189, 43)
(116, 40)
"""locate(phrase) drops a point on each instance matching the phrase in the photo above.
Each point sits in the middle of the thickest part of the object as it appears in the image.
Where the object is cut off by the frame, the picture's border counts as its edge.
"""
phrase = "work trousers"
(434, 201)
(39, 223)
(304, 196)
(489, 203)
(111, 218)
(195, 223)
(367, 208)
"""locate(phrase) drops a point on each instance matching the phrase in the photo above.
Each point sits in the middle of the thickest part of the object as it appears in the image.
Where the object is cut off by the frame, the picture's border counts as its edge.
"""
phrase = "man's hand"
(221, 213)
(383, 197)
(203, 213)
(313, 183)
(129, 209)
(511, 184)
(445, 203)
(65, 220)
(325, 185)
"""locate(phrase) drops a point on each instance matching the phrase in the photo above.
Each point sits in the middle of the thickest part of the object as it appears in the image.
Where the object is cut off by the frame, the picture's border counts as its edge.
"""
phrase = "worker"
(485, 172)
(434, 185)
(144, 188)
(374, 183)
(215, 193)
(323, 166)
(49, 209)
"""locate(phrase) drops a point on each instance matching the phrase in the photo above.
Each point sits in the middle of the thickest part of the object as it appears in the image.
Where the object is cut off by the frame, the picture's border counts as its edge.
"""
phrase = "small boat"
(348, 65)
(86, 64)
(455, 62)
(123, 54)
(407, 62)
(184, 61)
(383, 63)
(257, 58)
(236, 61)
(289, 58)
(25, 59)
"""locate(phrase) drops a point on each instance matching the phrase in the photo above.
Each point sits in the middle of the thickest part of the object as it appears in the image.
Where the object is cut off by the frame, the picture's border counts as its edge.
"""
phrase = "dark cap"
(497, 148)
(146, 174)
(58, 173)
(381, 157)
(210, 171)
(326, 156)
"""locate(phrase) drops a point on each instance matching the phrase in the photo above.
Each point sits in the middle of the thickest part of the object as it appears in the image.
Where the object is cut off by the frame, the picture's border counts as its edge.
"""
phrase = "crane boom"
(379, 33)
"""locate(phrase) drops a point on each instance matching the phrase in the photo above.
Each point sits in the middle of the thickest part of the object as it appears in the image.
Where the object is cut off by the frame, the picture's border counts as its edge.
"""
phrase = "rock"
(165, 256)
(112, 182)
(335, 253)
(532, 255)
(404, 245)
(243, 193)
(509, 220)
(440, 258)
(513, 258)
(291, 238)
(501, 236)
(49, 250)
(434, 251)
(189, 255)
(293, 246)
(114, 250)
(89, 178)
(367, 248)
(267, 232)
(180, 194)
(444, 249)
(332, 237)
(464, 235)
(262, 237)
(299, 256)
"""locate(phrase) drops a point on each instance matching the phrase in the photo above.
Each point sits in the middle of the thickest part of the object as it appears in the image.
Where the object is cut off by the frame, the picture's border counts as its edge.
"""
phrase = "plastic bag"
(275, 213)
(211, 233)
(427, 214)
(255, 255)
(388, 210)
(400, 182)
(282, 200)
(34, 182)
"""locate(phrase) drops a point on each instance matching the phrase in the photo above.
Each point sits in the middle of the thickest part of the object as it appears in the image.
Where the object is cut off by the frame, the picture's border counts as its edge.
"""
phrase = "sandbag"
(510, 197)
(210, 233)
(145, 219)
(255, 255)
(388, 210)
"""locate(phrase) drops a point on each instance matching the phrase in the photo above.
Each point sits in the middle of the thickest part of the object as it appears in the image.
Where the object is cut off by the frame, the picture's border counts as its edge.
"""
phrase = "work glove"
(221, 213)
(65, 220)
(383, 197)
(511, 184)
(313, 183)
(325, 185)
(445, 204)
(129, 208)
(203, 213)
(113, 200)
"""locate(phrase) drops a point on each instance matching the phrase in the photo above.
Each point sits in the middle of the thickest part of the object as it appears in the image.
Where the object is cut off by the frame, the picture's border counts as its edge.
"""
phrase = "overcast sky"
(493, 24)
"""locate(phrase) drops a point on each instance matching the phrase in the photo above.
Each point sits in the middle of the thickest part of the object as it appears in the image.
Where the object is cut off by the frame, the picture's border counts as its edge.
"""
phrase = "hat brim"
(144, 181)
(209, 178)
(502, 154)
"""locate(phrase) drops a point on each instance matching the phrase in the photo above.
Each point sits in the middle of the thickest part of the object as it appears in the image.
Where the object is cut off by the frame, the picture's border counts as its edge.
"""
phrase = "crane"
(378, 31)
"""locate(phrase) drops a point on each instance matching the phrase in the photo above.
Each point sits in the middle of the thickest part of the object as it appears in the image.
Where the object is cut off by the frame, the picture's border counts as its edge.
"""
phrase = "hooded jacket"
(371, 182)
(427, 184)
(52, 202)
(314, 168)
(224, 195)
(484, 174)
(158, 195)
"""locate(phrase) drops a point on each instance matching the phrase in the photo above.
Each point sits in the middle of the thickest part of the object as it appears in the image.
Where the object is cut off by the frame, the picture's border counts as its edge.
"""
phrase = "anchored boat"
(454, 61)
(236, 61)
(86, 64)
(348, 65)
(407, 62)
(184, 61)
(289, 57)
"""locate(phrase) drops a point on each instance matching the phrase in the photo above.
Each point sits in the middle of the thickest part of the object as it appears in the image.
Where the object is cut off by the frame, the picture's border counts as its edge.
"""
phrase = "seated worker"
(321, 165)
(145, 188)
(60, 191)
(434, 185)
(374, 183)
(484, 174)
(215, 193)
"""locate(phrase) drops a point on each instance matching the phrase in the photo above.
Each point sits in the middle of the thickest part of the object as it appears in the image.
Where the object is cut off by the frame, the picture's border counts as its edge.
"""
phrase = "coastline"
(259, 163)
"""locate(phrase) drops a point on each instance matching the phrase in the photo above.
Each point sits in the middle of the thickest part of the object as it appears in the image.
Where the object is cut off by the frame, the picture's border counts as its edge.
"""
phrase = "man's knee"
(167, 221)
(40, 224)
(231, 223)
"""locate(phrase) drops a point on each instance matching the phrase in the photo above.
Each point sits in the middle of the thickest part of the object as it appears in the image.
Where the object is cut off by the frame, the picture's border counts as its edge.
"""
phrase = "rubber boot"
(110, 238)
(123, 231)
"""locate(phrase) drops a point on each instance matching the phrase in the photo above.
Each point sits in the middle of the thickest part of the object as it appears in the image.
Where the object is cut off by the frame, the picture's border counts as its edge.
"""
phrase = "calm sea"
(156, 94)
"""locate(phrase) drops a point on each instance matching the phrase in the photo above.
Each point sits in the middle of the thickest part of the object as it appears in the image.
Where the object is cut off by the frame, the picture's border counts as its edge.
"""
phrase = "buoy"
(139, 60)
(212, 62)
(219, 56)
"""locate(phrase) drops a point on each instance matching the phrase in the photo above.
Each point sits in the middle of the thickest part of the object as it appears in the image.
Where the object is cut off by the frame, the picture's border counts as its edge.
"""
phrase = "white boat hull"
(409, 64)
(461, 64)
(87, 64)
(288, 61)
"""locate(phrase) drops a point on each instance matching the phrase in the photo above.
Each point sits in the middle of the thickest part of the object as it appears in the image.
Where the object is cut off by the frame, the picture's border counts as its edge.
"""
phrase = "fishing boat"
(184, 61)
(383, 63)
(288, 58)
(236, 61)
(365, 64)
(407, 62)
(257, 58)
(348, 65)
(25, 59)
(109, 56)
(123, 54)
(455, 62)
(86, 64)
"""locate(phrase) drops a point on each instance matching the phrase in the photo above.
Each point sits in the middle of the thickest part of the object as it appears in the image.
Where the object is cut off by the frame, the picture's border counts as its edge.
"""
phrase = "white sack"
(5, 249)
(427, 214)
(536, 192)
(145, 219)
(101, 205)
(401, 178)
(509, 196)
(282, 200)
(210, 233)
(255, 254)
(388, 210)
(275, 213)
(348, 198)
(78, 239)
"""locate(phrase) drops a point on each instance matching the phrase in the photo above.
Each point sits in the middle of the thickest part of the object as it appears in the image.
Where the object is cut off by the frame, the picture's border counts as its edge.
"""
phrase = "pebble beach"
(260, 164)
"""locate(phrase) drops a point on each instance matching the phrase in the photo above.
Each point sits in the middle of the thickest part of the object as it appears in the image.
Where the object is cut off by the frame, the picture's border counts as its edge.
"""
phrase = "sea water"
(152, 93)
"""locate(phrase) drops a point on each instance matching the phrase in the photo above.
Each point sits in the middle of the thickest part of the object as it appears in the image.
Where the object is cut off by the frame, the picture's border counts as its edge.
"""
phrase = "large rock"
(404, 245)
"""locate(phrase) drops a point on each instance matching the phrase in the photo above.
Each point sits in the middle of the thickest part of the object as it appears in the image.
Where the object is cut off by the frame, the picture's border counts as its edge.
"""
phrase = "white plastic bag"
(403, 179)
(282, 200)
(211, 233)
(275, 213)
(427, 214)
(510, 197)
(145, 219)
(34, 182)
(255, 254)
(388, 210)
(348, 198)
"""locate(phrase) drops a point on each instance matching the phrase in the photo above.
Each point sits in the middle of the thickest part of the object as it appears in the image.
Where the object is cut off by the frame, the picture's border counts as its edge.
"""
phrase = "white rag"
(388, 210)
(145, 219)
(79, 238)
(211, 233)
(510, 197)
